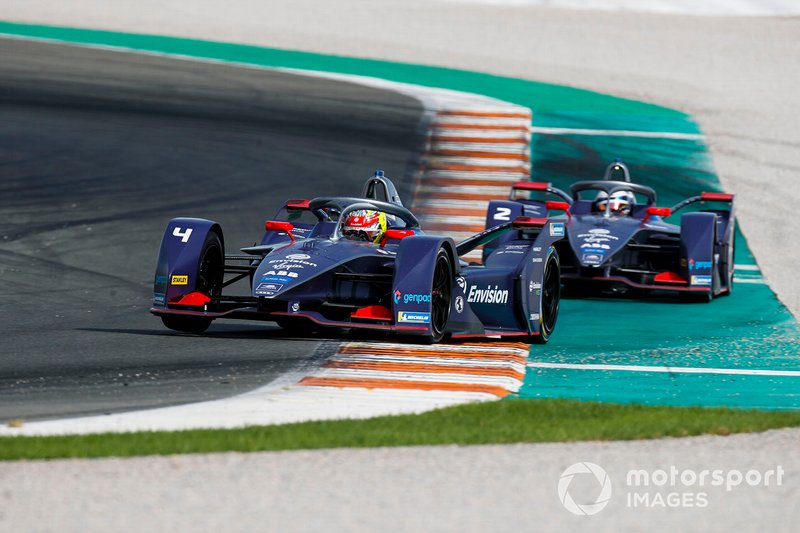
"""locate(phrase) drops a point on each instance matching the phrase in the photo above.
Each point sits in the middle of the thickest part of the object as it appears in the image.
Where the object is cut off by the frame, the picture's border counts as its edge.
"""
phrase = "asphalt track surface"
(98, 150)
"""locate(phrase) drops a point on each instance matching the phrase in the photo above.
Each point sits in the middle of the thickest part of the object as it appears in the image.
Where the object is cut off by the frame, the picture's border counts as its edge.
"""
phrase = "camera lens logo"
(590, 508)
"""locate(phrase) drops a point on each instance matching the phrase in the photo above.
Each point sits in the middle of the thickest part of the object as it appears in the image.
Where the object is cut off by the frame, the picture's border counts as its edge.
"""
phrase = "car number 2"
(502, 213)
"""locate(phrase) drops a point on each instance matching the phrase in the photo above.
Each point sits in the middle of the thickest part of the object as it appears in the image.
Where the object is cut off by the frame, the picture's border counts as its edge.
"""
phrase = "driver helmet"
(619, 202)
(365, 225)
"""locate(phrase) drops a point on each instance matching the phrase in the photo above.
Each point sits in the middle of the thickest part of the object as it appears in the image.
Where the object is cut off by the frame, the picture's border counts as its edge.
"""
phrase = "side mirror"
(275, 225)
(656, 211)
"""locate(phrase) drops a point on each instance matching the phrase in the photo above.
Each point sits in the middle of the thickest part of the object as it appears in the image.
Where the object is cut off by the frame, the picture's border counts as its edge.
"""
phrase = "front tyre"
(186, 324)
(210, 272)
(551, 299)
(441, 294)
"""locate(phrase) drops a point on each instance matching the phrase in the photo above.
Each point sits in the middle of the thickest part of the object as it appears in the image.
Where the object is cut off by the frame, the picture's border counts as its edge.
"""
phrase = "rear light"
(275, 225)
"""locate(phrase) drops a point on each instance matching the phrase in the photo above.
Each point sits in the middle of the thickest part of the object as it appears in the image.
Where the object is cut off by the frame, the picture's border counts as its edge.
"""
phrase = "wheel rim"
(209, 274)
(440, 296)
(551, 288)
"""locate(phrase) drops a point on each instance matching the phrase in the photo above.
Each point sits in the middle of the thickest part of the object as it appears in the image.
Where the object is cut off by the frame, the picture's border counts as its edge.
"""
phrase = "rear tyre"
(703, 297)
(210, 271)
(551, 299)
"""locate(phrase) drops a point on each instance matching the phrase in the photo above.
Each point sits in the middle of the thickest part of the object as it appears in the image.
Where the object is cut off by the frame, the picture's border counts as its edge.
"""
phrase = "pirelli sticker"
(180, 280)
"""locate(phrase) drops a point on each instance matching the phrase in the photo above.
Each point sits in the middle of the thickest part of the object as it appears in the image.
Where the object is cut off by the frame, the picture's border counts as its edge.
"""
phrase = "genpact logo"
(397, 295)
(587, 509)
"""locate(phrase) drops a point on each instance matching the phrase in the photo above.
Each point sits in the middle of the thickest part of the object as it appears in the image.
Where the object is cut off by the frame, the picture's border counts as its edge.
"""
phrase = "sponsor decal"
(286, 266)
(556, 229)
(534, 316)
(537, 248)
(417, 318)
(276, 279)
(592, 259)
(298, 256)
(461, 281)
(536, 260)
(701, 280)
(282, 273)
(397, 295)
(595, 246)
(159, 298)
(597, 235)
(699, 265)
(532, 286)
(385, 252)
(295, 307)
(416, 298)
(683, 262)
(180, 280)
(510, 252)
(459, 304)
(285, 262)
(268, 289)
(487, 295)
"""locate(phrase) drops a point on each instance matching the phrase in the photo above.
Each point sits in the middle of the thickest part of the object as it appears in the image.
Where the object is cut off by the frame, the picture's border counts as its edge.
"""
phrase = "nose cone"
(595, 240)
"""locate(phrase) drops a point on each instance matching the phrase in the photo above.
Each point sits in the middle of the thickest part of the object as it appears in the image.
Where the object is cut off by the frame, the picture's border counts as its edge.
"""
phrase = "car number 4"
(183, 235)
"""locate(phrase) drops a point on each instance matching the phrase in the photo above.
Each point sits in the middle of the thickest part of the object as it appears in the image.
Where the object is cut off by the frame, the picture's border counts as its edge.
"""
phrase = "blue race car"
(618, 243)
(363, 262)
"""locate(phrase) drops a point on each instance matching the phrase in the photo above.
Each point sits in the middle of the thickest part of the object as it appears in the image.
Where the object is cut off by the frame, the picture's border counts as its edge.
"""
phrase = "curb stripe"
(427, 368)
(416, 385)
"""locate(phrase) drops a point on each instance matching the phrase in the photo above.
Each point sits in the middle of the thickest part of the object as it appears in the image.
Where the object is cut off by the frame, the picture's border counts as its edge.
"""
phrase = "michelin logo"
(414, 317)
(701, 280)
(487, 295)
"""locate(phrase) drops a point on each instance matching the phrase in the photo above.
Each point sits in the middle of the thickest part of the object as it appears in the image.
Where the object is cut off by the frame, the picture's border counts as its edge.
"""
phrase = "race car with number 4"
(363, 263)
(618, 242)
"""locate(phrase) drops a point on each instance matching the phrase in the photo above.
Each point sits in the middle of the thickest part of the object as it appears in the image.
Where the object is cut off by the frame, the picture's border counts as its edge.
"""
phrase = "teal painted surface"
(749, 329)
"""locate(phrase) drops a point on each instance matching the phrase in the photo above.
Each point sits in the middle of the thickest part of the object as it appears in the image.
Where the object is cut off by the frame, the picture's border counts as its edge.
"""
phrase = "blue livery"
(617, 241)
(310, 271)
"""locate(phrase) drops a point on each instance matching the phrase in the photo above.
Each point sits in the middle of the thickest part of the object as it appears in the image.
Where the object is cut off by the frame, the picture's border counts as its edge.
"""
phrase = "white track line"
(666, 369)
(619, 133)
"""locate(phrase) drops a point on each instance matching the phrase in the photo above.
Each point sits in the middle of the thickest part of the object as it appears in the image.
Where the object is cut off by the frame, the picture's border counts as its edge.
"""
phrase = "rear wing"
(541, 186)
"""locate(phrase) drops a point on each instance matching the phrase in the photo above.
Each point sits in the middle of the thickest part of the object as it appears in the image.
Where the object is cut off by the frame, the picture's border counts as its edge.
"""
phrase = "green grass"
(485, 423)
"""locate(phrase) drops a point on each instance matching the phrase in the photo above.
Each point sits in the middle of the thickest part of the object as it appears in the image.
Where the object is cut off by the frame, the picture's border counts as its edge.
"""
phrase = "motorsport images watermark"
(661, 488)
